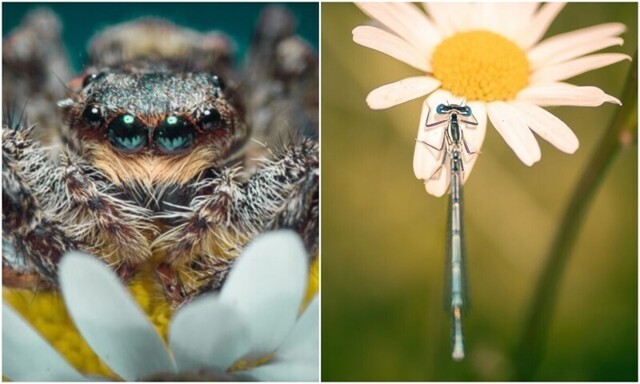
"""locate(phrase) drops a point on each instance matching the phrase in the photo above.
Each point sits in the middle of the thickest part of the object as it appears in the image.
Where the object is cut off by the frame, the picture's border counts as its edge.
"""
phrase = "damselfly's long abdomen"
(456, 257)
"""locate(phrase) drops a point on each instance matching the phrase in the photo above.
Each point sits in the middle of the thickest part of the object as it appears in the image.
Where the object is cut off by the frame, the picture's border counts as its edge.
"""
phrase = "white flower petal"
(407, 21)
(442, 15)
(426, 158)
(514, 130)
(29, 357)
(559, 48)
(506, 19)
(279, 371)
(109, 320)
(575, 67)
(568, 50)
(555, 94)
(208, 334)
(303, 342)
(549, 127)
(266, 286)
(438, 185)
(297, 359)
(539, 24)
(474, 136)
(390, 44)
(401, 91)
(522, 19)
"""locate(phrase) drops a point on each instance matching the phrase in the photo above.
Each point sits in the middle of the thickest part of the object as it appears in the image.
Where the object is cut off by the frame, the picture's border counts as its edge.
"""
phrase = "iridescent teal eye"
(174, 134)
(127, 133)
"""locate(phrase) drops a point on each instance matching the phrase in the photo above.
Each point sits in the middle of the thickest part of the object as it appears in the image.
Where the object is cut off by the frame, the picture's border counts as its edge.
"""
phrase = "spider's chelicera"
(148, 158)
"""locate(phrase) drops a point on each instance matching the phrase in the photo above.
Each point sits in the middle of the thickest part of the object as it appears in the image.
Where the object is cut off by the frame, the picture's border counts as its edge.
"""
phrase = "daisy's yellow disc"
(481, 65)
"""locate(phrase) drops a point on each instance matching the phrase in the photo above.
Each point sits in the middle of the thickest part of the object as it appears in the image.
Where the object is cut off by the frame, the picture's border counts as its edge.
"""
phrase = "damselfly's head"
(448, 109)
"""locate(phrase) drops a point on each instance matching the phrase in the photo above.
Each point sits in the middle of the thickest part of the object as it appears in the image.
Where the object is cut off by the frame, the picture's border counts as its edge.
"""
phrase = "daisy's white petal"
(441, 14)
(208, 333)
(539, 24)
(109, 320)
(297, 358)
(27, 356)
(303, 341)
(279, 371)
(407, 21)
(575, 67)
(549, 50)
(571, 52)
(522, 19)
(426, 158)
(506, 19)
(474, 136)
(401, 91)
(267, 285)
(436, 172)
(549, 127)
(464, 16)
(514, 130)
(390, 44)
(555, 94)
(439, 183)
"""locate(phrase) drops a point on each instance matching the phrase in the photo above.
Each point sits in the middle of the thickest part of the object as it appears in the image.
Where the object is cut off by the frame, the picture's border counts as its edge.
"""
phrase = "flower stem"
(621, 133)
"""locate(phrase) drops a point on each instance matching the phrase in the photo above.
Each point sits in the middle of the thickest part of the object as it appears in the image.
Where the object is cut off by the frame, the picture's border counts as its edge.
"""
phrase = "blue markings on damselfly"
(452, 117)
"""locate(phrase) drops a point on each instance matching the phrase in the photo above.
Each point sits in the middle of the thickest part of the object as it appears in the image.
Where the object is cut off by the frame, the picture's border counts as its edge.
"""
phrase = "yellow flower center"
(480, 65)
(46, 312)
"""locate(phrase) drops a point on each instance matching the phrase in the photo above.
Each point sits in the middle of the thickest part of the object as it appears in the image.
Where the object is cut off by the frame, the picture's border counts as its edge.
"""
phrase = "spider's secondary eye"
(90, 78)
(210, 119)
(217, 82)
(174, 134)
(93, 116)
(127, 133)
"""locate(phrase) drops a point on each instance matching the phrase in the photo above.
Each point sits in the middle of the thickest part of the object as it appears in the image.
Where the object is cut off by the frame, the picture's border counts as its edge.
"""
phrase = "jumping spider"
(148, 159)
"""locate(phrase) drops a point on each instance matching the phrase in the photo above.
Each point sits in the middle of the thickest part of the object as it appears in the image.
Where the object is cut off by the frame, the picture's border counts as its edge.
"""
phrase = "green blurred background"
(383, 236)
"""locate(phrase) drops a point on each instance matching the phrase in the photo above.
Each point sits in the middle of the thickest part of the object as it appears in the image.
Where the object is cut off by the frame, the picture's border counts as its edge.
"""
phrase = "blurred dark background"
(383, 236)
(83, 20)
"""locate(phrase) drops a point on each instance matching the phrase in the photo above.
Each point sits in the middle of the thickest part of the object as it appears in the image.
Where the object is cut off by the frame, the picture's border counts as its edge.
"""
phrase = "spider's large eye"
(127, 133)
(174, 134)
(93, 116)
(210, 119)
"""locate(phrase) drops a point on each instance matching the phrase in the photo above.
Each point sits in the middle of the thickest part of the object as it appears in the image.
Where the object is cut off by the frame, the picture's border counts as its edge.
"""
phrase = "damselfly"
(452, 147)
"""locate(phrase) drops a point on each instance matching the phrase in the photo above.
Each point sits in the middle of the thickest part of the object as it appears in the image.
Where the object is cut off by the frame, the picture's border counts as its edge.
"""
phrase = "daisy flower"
(251, 330)
(491, 55)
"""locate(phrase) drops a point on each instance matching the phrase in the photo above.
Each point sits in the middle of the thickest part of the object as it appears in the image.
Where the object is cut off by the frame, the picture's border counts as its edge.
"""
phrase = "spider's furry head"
(148, 122)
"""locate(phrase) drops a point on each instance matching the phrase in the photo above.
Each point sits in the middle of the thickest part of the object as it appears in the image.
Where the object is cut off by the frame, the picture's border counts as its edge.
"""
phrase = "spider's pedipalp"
(211, 220)
(114, 227)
